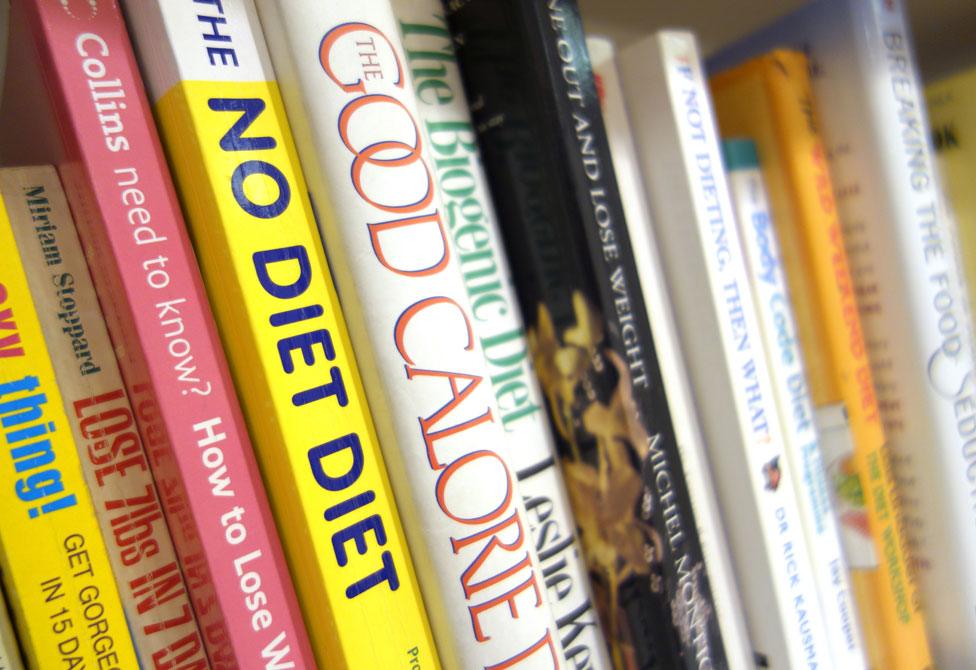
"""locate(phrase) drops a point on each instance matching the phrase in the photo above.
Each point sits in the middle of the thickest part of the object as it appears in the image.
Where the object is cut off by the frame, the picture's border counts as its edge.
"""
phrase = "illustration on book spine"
(497, 320)
(546, 154)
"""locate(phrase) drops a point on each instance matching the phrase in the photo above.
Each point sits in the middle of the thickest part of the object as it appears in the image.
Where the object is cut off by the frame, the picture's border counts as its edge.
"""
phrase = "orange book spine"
(832, 342)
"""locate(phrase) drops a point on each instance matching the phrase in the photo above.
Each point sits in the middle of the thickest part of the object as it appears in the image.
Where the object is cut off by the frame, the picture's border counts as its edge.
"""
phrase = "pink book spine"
(147, 279)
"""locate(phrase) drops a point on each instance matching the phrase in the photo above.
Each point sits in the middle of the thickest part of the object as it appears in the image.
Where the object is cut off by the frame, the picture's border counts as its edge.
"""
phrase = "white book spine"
(705, 268)
(476, 242)
(923, 368)
(671, 358)
(796, 414)
(349, 96)
(231, 58)
(9, 651)
(906, 273)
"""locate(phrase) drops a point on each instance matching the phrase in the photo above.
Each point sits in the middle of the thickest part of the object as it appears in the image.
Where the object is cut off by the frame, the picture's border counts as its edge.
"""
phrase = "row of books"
(340, 370)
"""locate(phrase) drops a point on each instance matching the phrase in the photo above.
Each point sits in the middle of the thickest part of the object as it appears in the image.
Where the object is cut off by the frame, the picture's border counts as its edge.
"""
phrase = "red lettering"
(377, 153)
(122, 415)
(329, 42)
(507, 597)
(8, 342)
(471, 587)
(430, 438)
(157, 588)
(184, 617)
(133, 530)
(456, 380)
(453, 468)
(400, 330)
(376, 229)
(173, 657)
(99, 425)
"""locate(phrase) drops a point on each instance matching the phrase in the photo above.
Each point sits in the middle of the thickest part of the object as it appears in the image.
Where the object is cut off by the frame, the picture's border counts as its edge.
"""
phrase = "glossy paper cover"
(129, 221)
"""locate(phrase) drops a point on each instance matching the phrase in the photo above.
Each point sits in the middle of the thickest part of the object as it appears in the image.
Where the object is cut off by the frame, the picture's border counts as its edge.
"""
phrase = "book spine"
(944, 526)
(247, 207)
(9, 649)
(476, 242)
(541, 133)
(54, 561)
(348, 93)
(770, 100)
(848, 418)
(792, 399)
(128, 218)
(951, 103)
(102, 422)
(680, 156)
(792, 572)
(654, 290)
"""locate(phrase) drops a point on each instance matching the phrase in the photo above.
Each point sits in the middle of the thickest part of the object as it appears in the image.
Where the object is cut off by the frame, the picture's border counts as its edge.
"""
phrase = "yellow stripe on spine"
(279, 318)
(55, 564)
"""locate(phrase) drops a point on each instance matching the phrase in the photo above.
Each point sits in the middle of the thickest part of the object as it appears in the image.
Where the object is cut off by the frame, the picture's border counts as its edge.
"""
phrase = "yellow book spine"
(279, 318)
(56, 569)
(771, 100)
(952, 113)
(114, 462)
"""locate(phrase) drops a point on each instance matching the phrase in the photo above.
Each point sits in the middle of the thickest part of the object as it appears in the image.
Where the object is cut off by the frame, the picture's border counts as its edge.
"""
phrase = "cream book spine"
(792, 396)
(704, 265)
(349, 96)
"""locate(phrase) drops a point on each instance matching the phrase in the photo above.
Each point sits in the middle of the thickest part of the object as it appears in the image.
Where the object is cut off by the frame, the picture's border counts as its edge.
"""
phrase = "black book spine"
(528, 77)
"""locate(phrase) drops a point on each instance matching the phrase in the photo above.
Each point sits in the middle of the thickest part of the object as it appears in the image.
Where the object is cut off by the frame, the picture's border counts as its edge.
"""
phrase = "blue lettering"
(262, 259)
(250, 109)
(317, 454)
(256, 167)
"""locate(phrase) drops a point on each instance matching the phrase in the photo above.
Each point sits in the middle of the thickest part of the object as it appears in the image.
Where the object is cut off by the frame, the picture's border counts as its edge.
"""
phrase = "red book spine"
(145, 273)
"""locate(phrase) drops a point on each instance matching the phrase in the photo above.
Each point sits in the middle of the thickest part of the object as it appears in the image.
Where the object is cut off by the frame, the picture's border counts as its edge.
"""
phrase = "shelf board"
(945, 30)
(945, 35)
(715, 22)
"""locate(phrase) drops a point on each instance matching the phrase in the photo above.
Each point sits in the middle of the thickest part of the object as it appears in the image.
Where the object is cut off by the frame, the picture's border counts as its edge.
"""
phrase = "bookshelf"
(943, 34)
(943, 29)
